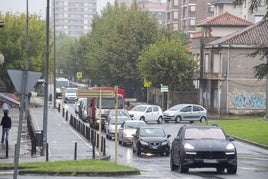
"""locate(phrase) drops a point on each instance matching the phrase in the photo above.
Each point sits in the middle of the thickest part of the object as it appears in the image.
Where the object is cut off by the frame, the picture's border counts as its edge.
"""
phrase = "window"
(176, 2)
(175, 15)
(216, 63)
(192, 22)
(192, 8)
(207, 63)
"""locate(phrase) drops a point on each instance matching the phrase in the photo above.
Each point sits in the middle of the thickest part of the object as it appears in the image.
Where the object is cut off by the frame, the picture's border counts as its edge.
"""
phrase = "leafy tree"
(114, 44)
(261, 71)
(13, 44)
(168, 62)
(64, 63)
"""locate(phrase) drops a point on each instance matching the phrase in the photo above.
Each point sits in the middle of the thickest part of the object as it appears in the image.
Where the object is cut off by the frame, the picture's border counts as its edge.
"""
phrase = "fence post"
(75, 150)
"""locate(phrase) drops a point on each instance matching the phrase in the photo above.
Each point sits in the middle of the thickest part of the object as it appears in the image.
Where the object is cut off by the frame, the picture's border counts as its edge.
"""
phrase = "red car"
(10, 95)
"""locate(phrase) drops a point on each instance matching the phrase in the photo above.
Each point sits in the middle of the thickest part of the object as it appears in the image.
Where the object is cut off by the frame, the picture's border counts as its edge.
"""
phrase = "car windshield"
(204, 133)
(120, 119)
(69, 90)
(152, 132)
(134, 125)
(139, 108)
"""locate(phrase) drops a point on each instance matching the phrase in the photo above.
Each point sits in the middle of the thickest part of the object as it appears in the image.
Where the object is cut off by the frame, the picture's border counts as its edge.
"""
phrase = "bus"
(61, 84)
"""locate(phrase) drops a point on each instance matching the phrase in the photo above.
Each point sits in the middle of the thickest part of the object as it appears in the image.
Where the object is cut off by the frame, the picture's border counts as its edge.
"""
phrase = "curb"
(251, 143)
(106, 174)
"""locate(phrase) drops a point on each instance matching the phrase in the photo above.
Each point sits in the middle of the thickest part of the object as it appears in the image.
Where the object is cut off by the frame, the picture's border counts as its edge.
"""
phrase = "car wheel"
(178, 119)
(172, 165)
(138, 151)
(160, 120)
(203, 119)
(142, 118)
(182, 169)
(220, 170)
(123, 143)
(232, 170)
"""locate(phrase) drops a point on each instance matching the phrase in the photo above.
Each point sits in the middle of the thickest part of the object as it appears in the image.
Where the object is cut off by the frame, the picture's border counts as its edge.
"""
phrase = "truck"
(93, 111)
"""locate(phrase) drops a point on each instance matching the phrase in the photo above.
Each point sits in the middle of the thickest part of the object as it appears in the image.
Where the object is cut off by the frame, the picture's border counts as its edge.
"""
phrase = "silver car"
(127, 129)
(122, 115)
(185, 112)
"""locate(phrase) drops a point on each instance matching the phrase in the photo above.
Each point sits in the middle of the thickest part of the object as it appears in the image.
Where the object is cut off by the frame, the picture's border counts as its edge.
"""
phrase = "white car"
(79, 104)
(127, 129)
(185, 112)
(147, 113)
(69, 95)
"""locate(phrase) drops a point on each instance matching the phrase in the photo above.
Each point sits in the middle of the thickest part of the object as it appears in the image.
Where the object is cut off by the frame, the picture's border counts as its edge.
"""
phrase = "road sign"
(95, 93)
(78, 75)
(17, 79)
(164, 88)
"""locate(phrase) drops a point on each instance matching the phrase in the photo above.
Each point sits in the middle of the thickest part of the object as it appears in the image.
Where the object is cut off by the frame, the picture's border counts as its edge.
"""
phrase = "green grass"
(73, 165)
(251, 129)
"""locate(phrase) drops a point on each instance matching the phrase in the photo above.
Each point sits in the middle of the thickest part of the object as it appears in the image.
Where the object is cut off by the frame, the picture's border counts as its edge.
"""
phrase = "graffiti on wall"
(256, 101)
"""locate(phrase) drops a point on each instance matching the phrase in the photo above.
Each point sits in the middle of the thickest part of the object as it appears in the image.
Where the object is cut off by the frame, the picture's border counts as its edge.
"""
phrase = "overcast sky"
(37, 7)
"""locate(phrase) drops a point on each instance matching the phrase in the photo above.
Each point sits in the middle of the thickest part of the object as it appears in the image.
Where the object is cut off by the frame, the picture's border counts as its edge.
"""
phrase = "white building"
(73, 17)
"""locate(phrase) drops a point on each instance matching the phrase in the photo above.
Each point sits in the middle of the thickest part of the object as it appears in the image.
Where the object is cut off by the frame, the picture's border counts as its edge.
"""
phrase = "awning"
(9, 99)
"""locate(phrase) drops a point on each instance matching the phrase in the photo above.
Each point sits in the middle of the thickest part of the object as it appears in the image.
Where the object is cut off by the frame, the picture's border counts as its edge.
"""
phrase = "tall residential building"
(73, 17)
(155, 8)
(222, 6)
(184, 14)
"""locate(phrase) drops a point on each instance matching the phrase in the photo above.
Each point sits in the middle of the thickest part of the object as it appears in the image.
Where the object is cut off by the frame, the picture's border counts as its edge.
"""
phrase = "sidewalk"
(61, 137)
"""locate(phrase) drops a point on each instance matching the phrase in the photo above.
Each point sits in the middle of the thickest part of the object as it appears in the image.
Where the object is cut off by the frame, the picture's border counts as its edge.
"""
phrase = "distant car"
(152, 140)
(203, 147)
(82, 113)
(79, 104)
(147, 113)
(122, 116)
(185, 112)
(127, 129)
(69, 95)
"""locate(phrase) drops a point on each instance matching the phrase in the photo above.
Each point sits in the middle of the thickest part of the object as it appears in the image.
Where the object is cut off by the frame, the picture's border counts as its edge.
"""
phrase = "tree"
(13, 44)
(261, 71)
(114, 44)
(64, 64)
(168, 62)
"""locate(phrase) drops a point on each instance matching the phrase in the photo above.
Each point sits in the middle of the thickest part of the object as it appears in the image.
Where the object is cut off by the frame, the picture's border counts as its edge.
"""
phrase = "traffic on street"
(252, 161)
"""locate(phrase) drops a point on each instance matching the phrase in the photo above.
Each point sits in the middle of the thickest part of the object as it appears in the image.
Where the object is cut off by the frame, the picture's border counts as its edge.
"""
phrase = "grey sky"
(37, 7)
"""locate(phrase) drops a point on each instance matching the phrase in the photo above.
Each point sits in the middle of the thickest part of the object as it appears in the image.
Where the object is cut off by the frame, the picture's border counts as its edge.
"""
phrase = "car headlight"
(188, 146)
(127, 135)
(230, 146)
(143, 143)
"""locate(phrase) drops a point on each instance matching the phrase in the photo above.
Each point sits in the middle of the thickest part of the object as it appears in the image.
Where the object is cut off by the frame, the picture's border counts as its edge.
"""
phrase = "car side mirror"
(230, 138)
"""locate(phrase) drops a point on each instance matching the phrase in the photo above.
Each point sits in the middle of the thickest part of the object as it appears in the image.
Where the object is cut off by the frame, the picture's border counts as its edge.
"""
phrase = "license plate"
(154, 147)
(210, 161)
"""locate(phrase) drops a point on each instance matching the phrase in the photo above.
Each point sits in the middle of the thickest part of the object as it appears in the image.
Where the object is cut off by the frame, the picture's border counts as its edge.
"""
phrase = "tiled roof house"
(227, 82)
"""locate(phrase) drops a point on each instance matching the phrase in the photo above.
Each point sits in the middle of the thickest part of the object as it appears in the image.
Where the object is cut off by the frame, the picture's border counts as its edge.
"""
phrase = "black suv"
(203, 147)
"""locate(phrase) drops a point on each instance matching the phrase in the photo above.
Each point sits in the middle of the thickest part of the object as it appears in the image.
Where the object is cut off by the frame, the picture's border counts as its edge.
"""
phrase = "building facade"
(72, 17)
(182, 15)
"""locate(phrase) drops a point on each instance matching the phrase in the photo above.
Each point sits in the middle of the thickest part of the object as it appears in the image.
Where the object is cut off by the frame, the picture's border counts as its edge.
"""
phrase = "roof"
(224, 19)
(253, 35)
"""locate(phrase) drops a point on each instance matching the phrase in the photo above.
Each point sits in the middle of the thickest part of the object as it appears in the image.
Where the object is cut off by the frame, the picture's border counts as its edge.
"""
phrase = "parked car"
(153, 140)
(79, 104)
(127, 129)
(203, 147)
(122, 115)
(83, 112)
(69, 95)
(185, 112)
(147, 113)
